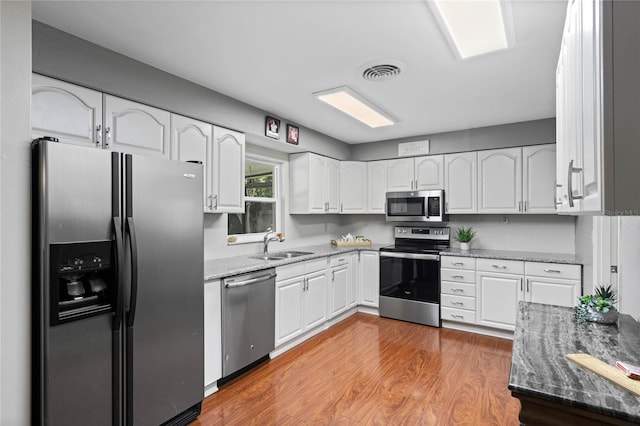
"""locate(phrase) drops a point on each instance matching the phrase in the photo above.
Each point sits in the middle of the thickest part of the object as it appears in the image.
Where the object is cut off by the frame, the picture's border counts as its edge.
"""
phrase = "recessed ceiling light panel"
(356, 106)
(474, 27)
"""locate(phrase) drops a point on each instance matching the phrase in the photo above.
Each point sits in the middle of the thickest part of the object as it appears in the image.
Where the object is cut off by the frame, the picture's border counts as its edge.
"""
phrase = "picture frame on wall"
(272, 127)
(293, 134)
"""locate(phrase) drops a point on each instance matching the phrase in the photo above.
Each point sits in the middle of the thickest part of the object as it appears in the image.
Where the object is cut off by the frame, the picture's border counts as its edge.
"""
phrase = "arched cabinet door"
(71, 113)
(228, 167)
(191, 140)
(500, 181)
(135, 128)
(461, 182)
(429, 172)
(539, 178)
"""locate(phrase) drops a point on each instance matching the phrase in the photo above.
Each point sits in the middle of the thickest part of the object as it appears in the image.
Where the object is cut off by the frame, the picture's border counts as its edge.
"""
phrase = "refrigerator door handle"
(131, 230)
(117, 230)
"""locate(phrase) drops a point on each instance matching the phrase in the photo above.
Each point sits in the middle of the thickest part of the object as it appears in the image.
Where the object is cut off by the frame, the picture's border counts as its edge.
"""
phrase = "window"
(262, 202)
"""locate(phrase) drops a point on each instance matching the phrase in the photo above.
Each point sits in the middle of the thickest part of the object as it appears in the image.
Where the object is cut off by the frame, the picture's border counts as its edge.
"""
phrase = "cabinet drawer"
(459, 315)
(455, 262)
(501, 266)
(458, 302)
(338, 260)
(553, 270)
(458, 289)
(457, 275)
(315, 265)
(289, 271)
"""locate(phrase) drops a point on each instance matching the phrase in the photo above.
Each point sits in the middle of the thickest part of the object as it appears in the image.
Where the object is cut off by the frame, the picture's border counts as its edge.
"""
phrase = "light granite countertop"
(529, 256)
(545, 334)
(228, 266)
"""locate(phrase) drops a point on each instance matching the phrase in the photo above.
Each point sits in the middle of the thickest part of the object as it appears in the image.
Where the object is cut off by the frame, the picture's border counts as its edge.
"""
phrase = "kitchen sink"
(282, 255)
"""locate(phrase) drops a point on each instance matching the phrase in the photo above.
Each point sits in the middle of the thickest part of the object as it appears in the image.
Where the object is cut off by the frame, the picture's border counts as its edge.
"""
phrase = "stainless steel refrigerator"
(118, 294)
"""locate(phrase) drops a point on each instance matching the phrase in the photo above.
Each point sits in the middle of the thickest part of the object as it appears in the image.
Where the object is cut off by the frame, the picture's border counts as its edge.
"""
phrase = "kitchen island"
(556, 391)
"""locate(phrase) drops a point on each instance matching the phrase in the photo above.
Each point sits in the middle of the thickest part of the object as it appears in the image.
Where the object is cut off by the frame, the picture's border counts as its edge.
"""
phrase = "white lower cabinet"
(458, 289)
(486, 292)
(369, 279)
(301, 298)
(314, 300)
(552, 284)
(339, 284)
(497, 299)
(212, 335)
(352, 290)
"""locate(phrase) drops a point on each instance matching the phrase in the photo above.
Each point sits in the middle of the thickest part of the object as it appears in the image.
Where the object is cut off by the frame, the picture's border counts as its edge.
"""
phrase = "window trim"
(258, 237)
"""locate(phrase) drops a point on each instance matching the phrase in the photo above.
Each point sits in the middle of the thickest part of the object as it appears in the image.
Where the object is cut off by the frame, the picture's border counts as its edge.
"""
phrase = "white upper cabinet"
(71, 113)
(191, 141)
(538, 178)
(400, 174)
(135, 128)
(353, 187)
(333, 185)
(314, 184)
(598, 105)
(500, 181)
(429, 172)
(461, 182)
(413, 174)
(228, 171)
(376, 186)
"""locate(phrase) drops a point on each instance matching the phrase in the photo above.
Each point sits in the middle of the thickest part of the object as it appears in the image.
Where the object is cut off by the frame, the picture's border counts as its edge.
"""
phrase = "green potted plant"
(464, 236)
(597, 307)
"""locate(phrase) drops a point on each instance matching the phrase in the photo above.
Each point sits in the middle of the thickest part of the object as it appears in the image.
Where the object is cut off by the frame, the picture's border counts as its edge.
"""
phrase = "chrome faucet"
(271, 236)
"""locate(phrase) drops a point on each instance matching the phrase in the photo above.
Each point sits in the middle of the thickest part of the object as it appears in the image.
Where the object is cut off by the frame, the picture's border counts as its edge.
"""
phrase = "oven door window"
(406, 206)
(410, 279)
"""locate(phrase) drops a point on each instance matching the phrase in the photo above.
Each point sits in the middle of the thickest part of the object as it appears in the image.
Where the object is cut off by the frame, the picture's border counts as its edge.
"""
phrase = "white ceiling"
(275, 54)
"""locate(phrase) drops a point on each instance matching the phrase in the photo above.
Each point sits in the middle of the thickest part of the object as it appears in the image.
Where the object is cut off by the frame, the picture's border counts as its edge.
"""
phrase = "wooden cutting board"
(607, 371)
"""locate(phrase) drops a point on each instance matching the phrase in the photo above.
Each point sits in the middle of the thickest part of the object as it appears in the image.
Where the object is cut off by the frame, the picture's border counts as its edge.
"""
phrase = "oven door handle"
(415, 256)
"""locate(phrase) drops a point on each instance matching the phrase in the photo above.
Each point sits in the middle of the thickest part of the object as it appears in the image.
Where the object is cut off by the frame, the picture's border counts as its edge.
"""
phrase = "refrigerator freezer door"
(72, 361)
(165, 347)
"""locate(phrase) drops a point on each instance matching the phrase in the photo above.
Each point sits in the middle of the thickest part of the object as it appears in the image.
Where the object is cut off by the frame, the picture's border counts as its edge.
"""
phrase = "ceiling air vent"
(381, 71)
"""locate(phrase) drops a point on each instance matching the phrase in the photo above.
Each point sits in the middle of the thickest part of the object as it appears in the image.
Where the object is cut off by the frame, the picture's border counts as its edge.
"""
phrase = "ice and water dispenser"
(83, 280)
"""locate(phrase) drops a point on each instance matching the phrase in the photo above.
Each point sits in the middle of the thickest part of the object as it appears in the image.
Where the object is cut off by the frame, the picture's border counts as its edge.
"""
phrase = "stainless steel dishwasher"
(248, 319)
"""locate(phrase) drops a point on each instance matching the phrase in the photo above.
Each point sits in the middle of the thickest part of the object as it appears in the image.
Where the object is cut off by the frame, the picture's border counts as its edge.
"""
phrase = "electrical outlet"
(505, 219)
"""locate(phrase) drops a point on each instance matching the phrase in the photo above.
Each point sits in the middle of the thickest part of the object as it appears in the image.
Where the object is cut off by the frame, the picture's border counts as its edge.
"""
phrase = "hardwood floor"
(370, 370)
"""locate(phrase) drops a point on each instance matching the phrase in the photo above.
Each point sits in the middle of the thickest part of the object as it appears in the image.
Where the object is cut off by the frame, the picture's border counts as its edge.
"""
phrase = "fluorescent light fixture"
(473, 27)
(354, 105)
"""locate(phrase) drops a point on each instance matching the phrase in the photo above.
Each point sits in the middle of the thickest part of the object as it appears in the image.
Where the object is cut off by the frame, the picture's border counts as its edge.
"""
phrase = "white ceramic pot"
(464, 246)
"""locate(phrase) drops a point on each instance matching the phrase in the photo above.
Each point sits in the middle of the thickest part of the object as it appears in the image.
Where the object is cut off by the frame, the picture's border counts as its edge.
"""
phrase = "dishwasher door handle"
(249, 281)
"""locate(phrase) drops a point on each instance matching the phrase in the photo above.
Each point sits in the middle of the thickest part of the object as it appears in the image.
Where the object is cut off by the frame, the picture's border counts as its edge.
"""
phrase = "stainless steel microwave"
(416, 206)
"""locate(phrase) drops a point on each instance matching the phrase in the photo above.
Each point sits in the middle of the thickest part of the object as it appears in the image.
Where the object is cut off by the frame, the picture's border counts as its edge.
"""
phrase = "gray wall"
(60, 55)
(503, 136)
(15, 212)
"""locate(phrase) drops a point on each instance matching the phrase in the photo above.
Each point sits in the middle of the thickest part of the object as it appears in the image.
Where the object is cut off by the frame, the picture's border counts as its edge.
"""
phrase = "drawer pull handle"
(458, 263)
(552, 270)
(457, 303)
(499, 266)
(458, 290)
(457, 316)
(458, 277)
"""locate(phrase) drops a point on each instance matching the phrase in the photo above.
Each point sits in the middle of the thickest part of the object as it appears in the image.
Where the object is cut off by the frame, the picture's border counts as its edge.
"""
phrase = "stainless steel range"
(410, 274)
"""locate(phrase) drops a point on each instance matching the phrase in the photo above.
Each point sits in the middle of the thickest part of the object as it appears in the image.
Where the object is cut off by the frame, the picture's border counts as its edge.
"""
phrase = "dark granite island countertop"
(556, 391)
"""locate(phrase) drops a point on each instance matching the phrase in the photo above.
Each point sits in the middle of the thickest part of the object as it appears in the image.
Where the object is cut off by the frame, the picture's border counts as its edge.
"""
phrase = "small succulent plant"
(465, 235)
(601, 301)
